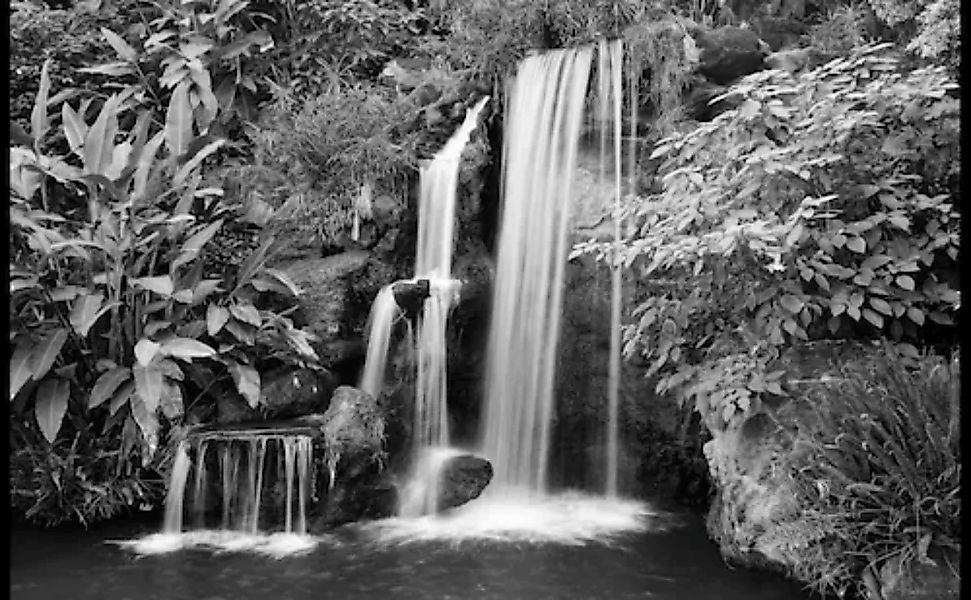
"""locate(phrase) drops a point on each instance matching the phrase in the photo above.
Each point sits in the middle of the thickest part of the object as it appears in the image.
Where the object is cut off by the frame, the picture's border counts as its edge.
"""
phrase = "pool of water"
(668, 557)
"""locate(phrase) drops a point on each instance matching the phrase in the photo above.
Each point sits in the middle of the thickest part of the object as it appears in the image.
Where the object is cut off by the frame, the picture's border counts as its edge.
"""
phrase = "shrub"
(880, 464)
(823, 206)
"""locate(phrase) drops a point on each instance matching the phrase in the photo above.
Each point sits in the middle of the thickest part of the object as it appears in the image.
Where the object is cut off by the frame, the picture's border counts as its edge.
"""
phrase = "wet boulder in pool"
(462, 479)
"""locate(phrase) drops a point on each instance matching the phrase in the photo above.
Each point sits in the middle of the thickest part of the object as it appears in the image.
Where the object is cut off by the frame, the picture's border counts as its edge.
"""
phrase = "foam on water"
(275, 545)
(570, 518)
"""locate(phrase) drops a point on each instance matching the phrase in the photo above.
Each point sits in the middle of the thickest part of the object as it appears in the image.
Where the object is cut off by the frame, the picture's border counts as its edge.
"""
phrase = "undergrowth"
(881, 466)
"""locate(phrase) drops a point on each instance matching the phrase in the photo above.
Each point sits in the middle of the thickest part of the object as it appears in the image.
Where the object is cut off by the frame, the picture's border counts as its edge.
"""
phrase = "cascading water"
(242, 496)
(433, 262)
(543, 117)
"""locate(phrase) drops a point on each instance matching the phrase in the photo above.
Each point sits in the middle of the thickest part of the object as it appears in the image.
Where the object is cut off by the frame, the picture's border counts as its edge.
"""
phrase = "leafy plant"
(822, 206)
(881, 464)
(108, 310)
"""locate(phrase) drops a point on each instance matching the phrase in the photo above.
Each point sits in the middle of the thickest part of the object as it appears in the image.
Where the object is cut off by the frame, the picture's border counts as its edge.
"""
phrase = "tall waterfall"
(543, 116)
(250, 486)
(609, 79)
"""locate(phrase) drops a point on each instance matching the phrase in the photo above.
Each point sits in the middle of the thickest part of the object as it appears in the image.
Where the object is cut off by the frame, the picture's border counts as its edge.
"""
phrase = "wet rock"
(698, 101)
(291, 393)
(352, 464)
(326, 290)
(778, 32)
(728, 53)
(462, 479)
(409, 295)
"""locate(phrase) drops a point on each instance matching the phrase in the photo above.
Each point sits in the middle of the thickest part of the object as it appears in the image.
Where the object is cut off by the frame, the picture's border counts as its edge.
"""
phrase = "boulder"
(324, 282)
(292, 393)
(728, 53)
(462, 479)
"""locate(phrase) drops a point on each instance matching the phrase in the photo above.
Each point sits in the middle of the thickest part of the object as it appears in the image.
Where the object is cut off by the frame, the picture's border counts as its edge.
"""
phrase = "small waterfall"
(543, 116)
(381, 320)
(173, 501)
(242, 497)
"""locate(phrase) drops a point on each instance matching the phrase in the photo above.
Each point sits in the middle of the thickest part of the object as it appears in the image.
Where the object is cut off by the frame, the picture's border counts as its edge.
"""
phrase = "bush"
(822, 207)
(880, 465)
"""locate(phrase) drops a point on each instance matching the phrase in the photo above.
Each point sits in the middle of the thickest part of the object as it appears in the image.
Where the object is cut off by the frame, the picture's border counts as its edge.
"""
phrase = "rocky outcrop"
(462, 478)
(728, 53)
(352, 465)
(293, 393)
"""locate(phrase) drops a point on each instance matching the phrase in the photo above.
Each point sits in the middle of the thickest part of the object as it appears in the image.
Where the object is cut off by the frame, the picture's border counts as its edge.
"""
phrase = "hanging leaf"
(216, 317)
(192, 247)
(145, 351)
(85, 312)
(51, 405)
(20, 369)
(195, 161)
(246, 313)
(148, 384)
(121, 47)
(178, 121)
(46, 352)
(186, 348)
(122, 395)
(147, 421)
(161, 285)
(145, 162)
(107, 384)
(247, 382)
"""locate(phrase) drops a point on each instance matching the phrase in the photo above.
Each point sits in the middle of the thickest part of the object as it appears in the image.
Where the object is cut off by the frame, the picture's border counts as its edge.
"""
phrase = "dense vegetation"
(160, 149)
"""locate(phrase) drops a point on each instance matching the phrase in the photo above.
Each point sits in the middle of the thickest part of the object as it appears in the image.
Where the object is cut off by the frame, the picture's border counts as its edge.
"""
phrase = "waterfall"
(543, 116)
(173, 500)
(384, 311)
(242, 497)
(433, 261)
(609, 77)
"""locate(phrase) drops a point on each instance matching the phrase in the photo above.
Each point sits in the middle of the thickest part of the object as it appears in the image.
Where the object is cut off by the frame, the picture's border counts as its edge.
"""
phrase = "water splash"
(543, 117)
(569, 518)
(384, 312)
(176, 493)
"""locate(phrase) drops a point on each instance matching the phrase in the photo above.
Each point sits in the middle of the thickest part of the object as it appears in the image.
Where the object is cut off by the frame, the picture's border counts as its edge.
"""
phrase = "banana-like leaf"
(46, 352)
(107, 385)
(178, 121)
(50, 406)
(39, 121)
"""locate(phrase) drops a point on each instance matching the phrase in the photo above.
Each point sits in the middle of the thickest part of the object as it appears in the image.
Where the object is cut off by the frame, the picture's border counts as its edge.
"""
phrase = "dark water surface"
(679, 563)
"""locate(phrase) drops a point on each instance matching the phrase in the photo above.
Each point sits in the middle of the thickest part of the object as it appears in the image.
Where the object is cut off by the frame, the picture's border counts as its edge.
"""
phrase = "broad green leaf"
(46, 352)
(113, 69)
(195, 161)
(791, 303)
(122, 395)
(246, 313)
(872, 317)
(85, 312)
(99, 142)
(178, 121)
(192, 247)
(107, 385)
(216, 317)
(39, 121)
(75, 129)
(146, 160)
(171, 369)
(148, 384)
(121, 47)
(186, 348)
(204, 289)
(881, 306)
(20, 369)
(161, 285)
(51, 406)
(916, 315)
(905, 282)
(856, 244)
(247, 382)
(145, 351)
